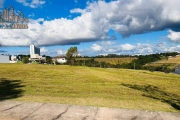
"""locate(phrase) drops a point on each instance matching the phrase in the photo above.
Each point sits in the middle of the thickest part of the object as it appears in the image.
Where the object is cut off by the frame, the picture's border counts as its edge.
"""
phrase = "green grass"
(119, 88)
(172, 62)
(111, 60)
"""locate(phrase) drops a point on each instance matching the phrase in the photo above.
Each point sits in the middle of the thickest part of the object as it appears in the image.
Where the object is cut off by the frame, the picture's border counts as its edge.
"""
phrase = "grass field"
(172, 62)
(119, 88)
(175, 60)
(111, 60)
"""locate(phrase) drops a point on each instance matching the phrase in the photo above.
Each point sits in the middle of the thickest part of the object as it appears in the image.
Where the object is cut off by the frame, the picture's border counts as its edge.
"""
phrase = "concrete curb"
(14, 110)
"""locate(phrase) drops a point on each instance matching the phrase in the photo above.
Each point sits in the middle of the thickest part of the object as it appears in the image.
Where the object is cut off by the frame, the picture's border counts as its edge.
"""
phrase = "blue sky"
(96, 27)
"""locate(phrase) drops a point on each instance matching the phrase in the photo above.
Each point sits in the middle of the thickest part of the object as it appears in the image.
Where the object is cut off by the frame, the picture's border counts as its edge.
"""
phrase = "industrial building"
(4, 58)
(8, 59)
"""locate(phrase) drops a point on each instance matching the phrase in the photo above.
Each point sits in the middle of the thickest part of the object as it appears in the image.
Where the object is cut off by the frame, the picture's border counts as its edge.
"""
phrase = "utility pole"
(134, 66)
(84, 62)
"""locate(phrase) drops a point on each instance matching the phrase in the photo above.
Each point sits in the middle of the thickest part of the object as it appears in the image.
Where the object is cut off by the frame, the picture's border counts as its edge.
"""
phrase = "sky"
(95, 27)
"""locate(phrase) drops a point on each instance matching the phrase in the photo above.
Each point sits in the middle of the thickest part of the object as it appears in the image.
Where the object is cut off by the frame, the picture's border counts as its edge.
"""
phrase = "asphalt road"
(13, 110)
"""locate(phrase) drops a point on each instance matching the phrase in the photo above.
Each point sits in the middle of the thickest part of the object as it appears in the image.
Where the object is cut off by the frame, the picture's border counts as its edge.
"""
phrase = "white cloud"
(174, 36)
(61, 52)
(96, 47)
(57, 31)
(136, 16)
(139, 48)
(43, 50)
(32, 3)
(107, 43)
(126, 17)
(77, 10)
(126, 47)
(144, 49)
(31, 15)
(102, 47)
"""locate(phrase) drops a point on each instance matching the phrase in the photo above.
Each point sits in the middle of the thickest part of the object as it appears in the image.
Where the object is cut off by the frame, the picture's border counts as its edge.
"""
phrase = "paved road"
(11, 110)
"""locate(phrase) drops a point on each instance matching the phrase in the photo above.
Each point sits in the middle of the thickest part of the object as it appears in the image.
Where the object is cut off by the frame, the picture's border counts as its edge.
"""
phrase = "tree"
(71, 53)
(48, 59)
(25, 60)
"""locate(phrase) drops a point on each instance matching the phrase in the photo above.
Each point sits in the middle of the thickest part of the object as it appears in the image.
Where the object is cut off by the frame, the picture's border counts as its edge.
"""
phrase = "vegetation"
(21, 56)
(48, 59)
(155, 93)
(25, 60)
(71, 53)
(123, 88)
(114, 56)
(153, 62)
(170, 60)
(112, 61)
(142, 62)
(168, 64)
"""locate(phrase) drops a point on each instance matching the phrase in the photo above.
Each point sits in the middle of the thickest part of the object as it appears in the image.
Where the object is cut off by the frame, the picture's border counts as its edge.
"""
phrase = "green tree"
(71, 53)
(48, 59)
(25, 60)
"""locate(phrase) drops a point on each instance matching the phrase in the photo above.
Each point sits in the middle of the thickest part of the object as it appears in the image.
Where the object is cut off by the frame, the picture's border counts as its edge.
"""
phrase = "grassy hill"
(172, 62)
(111, 60)
(119, 88)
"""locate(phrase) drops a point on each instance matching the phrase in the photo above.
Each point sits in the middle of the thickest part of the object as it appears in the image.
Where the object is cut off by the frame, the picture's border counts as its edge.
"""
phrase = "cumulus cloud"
(109, 47)
(43, 50)
(61, 52)
(102, 46)
(130, 17)
(126, 17)
(127, 47)
(174, 36)
(32, 3)
(139, 48)
(31, 15)
(52, 52)
(1, 3)
(96, 47)
(59, 31)
(77, 10)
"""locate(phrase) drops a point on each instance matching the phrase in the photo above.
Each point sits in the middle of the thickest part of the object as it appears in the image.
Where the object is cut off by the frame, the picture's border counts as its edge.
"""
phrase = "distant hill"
(164, 62)
(172, 62)
(111, 60)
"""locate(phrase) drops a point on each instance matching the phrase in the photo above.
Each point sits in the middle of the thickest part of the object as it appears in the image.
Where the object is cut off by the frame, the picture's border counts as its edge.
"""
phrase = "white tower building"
(35, 54)
(34, 49)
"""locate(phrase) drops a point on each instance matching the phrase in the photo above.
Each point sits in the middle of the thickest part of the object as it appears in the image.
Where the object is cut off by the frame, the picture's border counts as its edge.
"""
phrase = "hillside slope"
(120, 88)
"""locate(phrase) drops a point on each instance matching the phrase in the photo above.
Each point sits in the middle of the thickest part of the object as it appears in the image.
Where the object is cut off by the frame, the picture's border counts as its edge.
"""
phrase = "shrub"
(25, 60)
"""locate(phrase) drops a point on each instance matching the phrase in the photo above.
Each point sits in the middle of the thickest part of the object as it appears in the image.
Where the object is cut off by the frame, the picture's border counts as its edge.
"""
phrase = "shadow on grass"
(155, 93)
(10, 89)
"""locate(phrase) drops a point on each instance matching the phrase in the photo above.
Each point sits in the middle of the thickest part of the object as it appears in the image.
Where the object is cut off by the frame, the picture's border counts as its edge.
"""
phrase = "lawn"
(119, 88)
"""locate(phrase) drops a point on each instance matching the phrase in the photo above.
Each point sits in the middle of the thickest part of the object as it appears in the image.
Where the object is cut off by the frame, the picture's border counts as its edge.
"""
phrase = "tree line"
(139, 63)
